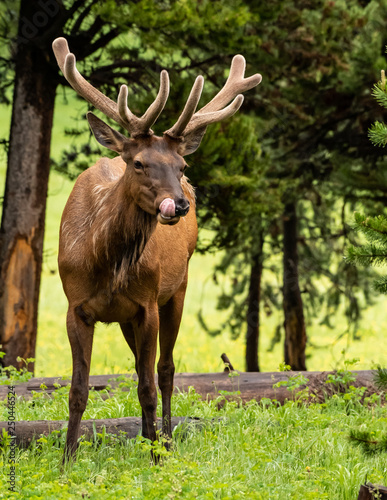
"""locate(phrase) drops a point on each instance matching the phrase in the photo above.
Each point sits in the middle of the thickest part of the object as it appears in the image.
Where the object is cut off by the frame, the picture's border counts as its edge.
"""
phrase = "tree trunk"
(295, 334)
(22, 226)
(254, 297)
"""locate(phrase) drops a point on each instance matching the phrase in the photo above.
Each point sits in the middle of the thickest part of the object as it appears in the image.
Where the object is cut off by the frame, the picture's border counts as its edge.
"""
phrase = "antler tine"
(215, 110)
(140, 126)
(123, 110)
(189, 109)
(200, 119)
(61, 49)
(153, 112)
(67, 63)
(119, 112)
(236, 84)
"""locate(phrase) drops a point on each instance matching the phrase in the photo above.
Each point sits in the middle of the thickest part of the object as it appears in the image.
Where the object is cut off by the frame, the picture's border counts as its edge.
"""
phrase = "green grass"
(256, 451)
(195, 350)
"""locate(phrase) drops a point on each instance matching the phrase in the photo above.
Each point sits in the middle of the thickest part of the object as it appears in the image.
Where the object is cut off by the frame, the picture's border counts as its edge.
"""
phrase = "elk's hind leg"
(128, 332)
(81, 340)
(170, 318)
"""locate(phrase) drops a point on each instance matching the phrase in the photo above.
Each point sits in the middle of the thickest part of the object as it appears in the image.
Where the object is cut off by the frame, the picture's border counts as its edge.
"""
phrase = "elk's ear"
(191, 142)
(105, 135)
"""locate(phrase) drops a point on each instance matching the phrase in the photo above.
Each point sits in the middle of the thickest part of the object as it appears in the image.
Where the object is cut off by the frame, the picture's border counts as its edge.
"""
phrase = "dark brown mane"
(127, 249)
(119, 235)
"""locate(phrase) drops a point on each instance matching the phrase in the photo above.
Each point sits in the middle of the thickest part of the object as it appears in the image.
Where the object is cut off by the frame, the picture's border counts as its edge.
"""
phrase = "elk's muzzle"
(182, 207)
(167, 208)
(170, 212)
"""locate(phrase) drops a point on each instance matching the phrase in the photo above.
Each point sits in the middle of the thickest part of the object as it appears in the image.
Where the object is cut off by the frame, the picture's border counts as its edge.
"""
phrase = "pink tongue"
(167, 208)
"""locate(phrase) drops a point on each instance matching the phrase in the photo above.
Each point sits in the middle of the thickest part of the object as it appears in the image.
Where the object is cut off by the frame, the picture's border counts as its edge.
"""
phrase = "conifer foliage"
(378, 131)
(380, 378)
(374, 251)
(370, 442)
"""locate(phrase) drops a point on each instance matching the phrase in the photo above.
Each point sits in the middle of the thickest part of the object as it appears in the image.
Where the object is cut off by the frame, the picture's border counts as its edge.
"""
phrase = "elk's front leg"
(81, 340)
(170, 318)
(145, 329)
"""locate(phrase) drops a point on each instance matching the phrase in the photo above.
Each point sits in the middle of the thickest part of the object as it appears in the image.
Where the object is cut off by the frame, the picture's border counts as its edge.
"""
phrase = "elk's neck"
(121, 229)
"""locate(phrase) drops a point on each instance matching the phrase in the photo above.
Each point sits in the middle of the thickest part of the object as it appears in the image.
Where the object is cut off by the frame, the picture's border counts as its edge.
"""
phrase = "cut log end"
(370, 491)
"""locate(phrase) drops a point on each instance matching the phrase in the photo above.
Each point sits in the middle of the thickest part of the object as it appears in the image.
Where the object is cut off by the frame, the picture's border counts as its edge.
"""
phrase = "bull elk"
(123, 257)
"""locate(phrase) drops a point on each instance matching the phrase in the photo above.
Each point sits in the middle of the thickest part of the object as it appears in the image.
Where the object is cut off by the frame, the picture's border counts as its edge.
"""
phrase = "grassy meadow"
(195, 350)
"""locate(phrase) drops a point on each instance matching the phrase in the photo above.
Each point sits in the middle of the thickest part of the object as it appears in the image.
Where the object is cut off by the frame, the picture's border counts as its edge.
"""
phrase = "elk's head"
(155, 165)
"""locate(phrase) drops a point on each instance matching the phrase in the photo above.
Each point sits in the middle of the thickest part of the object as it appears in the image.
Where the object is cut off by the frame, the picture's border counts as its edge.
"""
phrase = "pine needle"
(380, 378)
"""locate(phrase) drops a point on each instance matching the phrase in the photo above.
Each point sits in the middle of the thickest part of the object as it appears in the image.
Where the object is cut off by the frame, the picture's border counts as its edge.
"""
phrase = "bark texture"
(295, 332)
(22, 226)
(254, 297)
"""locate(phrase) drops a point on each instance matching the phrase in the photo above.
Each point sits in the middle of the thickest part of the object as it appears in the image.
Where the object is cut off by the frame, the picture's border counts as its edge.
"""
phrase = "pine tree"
(366, 439)
(374, 251)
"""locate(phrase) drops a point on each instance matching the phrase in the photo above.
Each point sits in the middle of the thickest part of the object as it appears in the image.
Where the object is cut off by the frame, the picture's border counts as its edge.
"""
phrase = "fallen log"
(370, 491)
(243, 385)
(128, 427)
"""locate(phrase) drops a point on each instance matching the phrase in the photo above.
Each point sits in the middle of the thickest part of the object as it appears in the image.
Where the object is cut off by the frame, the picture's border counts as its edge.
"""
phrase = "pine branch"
(82, 16)
(380, 285)
(380, 378)
(378, 134)
(367, 255)
(380, 94)
(373, 228)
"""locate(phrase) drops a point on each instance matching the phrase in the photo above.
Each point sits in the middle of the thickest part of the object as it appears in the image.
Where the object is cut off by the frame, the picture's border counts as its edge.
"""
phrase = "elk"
(128, 231)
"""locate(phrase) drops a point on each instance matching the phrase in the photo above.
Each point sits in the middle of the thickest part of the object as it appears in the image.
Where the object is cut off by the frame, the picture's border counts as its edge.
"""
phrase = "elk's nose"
(182, 207)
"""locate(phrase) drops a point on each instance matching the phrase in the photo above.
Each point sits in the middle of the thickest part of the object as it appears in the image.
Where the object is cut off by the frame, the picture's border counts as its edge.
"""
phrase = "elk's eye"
(138, 165)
